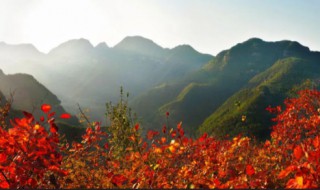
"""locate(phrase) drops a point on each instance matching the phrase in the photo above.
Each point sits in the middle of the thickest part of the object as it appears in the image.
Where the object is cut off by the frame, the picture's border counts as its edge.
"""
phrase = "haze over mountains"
(78, 72)
(209, 94)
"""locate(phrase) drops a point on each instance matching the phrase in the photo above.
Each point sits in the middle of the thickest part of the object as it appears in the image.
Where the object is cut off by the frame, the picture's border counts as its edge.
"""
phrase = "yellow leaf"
(299, 180)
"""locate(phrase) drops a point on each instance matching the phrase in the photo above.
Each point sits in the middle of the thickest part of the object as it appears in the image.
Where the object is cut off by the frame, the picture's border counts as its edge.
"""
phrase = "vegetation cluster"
(118, 157)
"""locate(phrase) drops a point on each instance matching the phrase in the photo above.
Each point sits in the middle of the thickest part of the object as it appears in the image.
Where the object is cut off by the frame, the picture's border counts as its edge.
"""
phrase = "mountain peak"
(102, 45)
(254, 39)
(75, 45)
(20, 47)
(138, 44)
(184, 48)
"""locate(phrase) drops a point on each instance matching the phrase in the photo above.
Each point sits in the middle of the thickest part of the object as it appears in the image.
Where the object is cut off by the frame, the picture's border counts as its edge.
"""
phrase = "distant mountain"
(20, 58)
(78, 72)
(206, 98)
(140, 45)
(28, 95)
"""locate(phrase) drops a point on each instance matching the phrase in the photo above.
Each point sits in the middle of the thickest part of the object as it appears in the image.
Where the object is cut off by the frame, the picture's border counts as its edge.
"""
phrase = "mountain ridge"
(201, 94)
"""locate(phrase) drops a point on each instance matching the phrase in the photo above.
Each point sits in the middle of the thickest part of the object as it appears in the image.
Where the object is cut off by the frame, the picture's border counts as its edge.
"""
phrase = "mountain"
(20, 58)
(225, 94)
(140, 45)
(205, 100)
(78, 72)
(27, 94)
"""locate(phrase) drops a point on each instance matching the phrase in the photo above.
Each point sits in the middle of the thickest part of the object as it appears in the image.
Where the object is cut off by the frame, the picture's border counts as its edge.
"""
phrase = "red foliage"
(45, 108)
(31, 156)
(65, 116)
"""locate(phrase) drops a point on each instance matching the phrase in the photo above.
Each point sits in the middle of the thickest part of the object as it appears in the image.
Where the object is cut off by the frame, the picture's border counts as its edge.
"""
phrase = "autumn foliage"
(32, 155)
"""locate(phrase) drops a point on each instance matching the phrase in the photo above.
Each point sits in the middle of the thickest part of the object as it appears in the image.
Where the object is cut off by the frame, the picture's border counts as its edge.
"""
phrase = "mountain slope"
(28, 95)
(270, 87)
(201, 93)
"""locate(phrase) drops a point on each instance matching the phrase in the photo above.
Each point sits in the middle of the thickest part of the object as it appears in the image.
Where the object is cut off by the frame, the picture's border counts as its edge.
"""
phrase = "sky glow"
(210, 26)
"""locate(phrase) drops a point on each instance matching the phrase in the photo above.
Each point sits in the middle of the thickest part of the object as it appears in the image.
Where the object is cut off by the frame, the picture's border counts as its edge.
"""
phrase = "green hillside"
(237, 74)
(270, 87)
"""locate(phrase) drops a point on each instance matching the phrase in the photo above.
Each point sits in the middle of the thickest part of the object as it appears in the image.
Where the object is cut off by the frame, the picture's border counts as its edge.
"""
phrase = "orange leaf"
(316, 142)
(250, 170)
(286, 172)
(45, 108)
(297, 152)
(172, 149)
(296, 183)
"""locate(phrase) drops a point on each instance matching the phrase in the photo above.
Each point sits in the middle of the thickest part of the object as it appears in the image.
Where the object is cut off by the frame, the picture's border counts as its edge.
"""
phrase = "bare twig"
(5, 177)
(84, 115)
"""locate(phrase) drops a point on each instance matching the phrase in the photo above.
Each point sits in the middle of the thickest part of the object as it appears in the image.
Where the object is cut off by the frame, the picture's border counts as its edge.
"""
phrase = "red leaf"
(4, 184)
(51, 114)
(97, 127)
(185, 141)
(3, 157)
(203, 137)
(137, 126)
(164, 129)
(249, 170)
(151, 134)
(54, 168)
(173, 133)
(32, 182)
(65, 116)
(297, 152)
(21, 122)
(179, 125)
(118, 180)
(45, 108)
(63, 172)
(106, 146)
(28, 116)
(53, 128)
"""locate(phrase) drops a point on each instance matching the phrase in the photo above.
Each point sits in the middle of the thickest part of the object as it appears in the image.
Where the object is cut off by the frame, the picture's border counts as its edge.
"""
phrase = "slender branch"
(5, 177)
(83, 115)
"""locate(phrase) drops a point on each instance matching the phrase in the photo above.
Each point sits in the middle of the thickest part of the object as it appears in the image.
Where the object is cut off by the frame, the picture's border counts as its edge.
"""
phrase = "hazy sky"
(208, 25)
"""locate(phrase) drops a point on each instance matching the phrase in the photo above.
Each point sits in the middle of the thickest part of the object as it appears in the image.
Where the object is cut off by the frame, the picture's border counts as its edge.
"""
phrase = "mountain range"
(220, 95)
(238, 83)
(78, 72)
